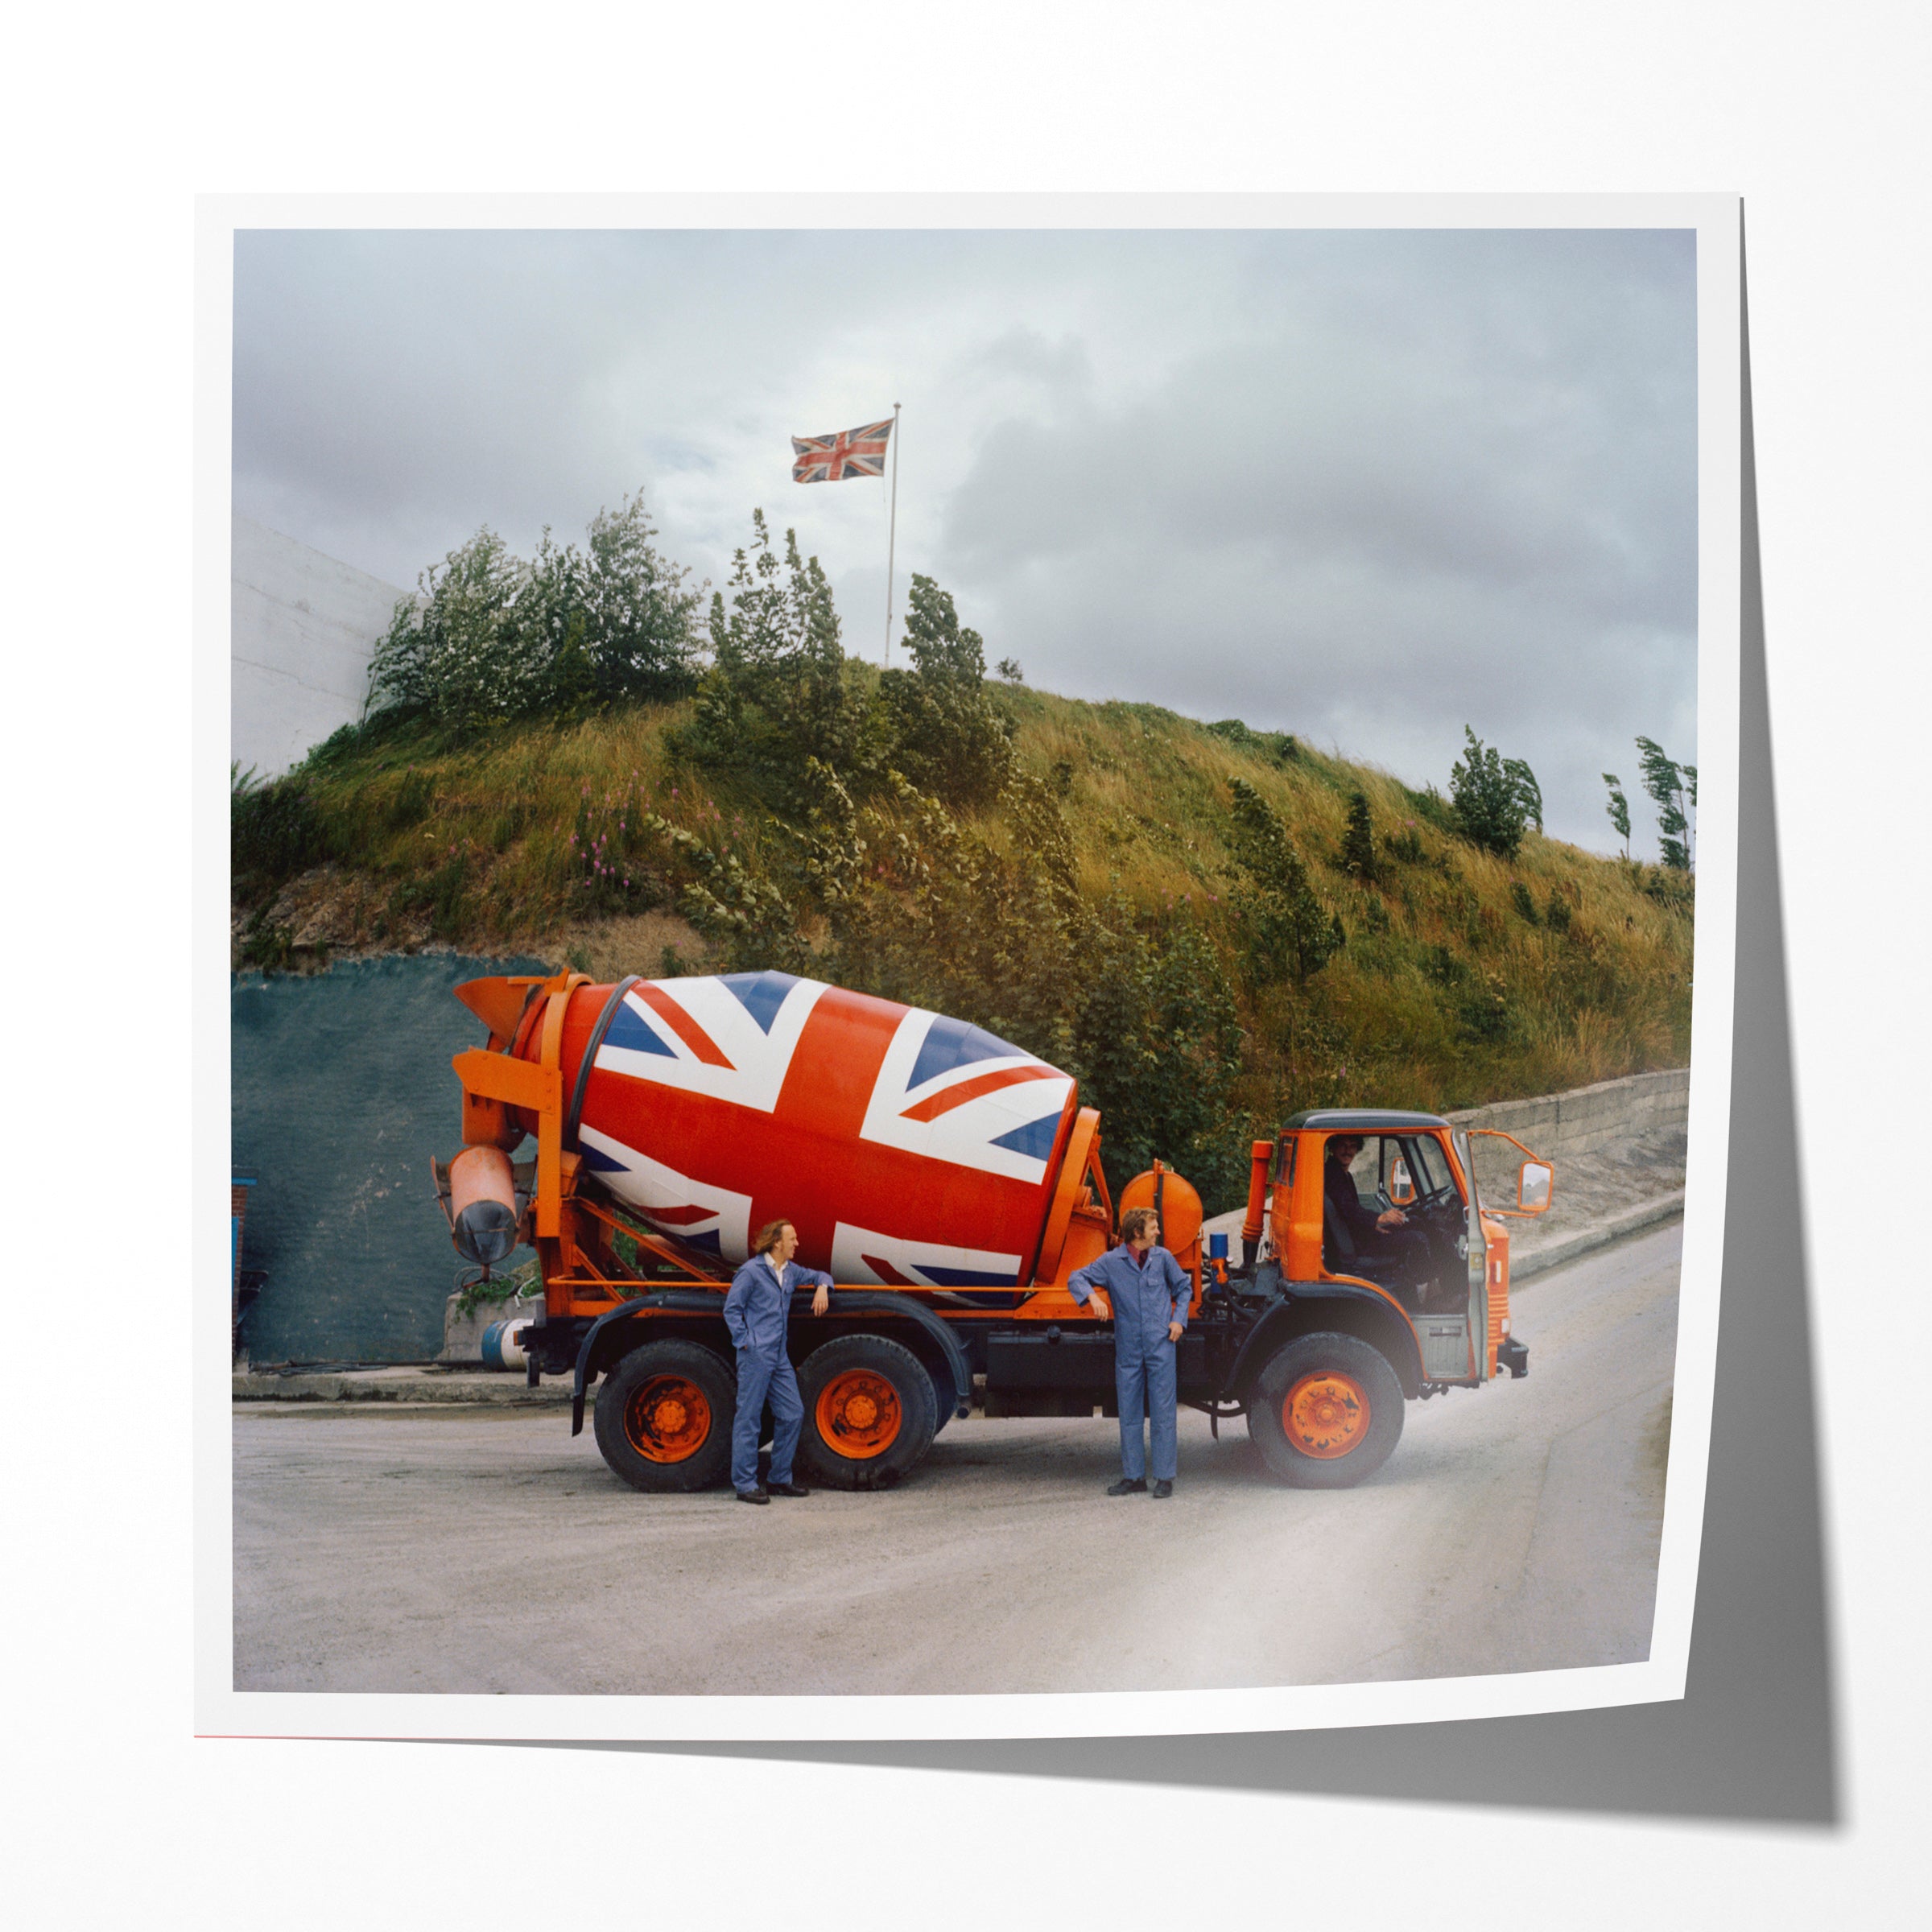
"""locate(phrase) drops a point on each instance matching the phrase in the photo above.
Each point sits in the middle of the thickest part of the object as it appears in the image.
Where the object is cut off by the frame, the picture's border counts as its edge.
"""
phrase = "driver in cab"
(1384, 1237)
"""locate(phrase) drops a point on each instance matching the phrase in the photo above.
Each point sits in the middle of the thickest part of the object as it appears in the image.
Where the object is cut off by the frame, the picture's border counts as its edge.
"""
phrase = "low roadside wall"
(1590, 1119)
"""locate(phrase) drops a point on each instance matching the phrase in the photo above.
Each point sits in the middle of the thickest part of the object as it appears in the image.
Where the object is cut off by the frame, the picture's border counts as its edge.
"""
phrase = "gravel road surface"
(450, 1548)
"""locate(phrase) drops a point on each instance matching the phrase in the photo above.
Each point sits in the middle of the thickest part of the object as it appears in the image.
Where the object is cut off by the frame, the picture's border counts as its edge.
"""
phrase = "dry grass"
(1446, 995)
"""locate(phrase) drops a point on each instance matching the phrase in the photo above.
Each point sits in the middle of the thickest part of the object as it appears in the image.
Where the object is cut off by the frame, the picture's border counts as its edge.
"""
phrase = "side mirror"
(1402, 1187)
(1533, 1182)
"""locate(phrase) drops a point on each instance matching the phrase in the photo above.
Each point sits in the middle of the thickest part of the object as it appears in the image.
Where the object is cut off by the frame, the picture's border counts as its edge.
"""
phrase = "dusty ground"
(1515, 1528)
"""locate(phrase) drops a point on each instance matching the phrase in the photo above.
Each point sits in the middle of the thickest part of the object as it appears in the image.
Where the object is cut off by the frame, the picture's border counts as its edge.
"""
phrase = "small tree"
(1529, 795)
(1156, 1040)
(1619, 809)
(462, 651)
(1358, 841)
(1668, 784)
(638, 619)
(947, 738)
(778, 693)
(1285, 927)
(1494, 803)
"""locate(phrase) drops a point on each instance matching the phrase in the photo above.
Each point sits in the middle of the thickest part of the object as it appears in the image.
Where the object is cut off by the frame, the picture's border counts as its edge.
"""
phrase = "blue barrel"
(503, 1343)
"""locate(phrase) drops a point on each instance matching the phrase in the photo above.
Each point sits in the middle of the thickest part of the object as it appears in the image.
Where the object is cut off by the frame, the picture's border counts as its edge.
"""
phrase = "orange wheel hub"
(858, 1414)
(1325, 1415)
(667, 1420)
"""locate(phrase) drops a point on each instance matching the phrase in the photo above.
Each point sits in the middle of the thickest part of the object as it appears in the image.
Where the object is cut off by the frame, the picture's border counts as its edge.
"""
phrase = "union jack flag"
(907, 1148)
(851, 453)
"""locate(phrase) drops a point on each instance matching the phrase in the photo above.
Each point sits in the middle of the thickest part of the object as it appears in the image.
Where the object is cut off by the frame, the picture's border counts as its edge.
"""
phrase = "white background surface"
(120, 1814)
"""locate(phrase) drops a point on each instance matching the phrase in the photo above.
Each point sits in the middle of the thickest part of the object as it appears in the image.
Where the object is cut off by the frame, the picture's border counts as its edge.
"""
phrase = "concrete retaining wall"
(1592, 1119)
(302, 627)
(1595, 1132)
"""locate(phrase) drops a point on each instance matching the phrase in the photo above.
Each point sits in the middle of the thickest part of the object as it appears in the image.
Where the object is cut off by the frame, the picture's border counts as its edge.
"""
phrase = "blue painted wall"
(342, 1091)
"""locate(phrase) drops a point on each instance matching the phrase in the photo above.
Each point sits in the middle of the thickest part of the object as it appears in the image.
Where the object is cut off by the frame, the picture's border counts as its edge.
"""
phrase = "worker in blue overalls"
(1150, 1292)
(756, 1311)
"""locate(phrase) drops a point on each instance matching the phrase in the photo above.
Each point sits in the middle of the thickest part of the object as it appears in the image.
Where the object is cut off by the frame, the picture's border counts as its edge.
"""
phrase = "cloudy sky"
(1364, 486)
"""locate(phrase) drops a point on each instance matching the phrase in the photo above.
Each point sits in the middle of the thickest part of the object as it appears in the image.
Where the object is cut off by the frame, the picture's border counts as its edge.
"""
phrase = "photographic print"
(961, 960)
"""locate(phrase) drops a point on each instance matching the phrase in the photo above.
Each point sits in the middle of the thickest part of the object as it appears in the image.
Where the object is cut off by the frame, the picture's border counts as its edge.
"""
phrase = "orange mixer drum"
(908, 1148)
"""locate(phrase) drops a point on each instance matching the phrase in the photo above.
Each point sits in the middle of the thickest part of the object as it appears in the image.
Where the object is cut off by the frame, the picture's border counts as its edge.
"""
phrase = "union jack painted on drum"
(850, 452)
(907, 1147)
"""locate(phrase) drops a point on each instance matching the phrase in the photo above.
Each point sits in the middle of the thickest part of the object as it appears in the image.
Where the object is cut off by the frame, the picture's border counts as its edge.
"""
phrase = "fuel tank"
(907, 1148)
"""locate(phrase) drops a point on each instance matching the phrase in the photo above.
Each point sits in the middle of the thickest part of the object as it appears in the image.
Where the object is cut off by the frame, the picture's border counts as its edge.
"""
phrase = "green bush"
(1279, 747)
(946, 735)
(1486, 1014)
(1285, 927)
(1495, 799)
(780, 693)
(1358, 841)
(1406, 846)
(1157, 1045)
(492, 637)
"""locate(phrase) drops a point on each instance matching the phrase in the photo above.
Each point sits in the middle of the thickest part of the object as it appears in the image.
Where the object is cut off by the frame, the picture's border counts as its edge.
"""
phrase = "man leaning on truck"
(1150, 1292)
(756, 1312)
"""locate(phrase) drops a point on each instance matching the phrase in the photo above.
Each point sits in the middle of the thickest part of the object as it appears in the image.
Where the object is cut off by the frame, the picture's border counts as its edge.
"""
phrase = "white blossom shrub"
(492, 637)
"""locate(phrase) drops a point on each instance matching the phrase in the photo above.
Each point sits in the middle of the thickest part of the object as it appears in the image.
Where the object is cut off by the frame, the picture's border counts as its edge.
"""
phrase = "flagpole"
(892, 535)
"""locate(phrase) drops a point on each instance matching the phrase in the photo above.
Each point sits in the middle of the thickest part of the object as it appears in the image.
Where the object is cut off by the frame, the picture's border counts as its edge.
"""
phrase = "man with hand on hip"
(1150, 1292)
(756, 1311)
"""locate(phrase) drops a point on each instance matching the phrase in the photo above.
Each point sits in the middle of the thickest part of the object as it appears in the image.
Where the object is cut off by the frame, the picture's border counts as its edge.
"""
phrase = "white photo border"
(221, 1711)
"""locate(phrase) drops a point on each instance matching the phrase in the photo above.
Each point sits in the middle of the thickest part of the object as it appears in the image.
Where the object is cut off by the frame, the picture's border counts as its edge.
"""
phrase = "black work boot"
(1127, 1486)
(1163, 1489)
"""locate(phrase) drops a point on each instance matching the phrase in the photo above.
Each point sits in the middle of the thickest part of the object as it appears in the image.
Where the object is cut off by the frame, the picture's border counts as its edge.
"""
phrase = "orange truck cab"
(1359, 1312)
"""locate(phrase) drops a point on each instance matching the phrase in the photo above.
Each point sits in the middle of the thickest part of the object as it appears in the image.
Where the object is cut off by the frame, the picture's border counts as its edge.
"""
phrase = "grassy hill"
(1464, 978)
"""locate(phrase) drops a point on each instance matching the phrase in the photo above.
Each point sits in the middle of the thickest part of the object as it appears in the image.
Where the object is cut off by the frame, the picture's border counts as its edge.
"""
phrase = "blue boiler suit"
(756, 1311)
(1147, 1294)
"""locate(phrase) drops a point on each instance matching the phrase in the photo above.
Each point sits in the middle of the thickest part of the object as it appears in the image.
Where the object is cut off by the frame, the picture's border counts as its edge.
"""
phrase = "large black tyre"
(870, 1412)
(664, 1414)
(1327, 1411)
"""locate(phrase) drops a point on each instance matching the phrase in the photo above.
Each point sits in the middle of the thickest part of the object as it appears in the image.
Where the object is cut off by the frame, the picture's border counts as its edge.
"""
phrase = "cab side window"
(1365, 1169)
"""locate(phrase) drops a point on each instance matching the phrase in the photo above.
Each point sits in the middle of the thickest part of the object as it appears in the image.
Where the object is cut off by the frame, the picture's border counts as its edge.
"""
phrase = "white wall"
(302, 628)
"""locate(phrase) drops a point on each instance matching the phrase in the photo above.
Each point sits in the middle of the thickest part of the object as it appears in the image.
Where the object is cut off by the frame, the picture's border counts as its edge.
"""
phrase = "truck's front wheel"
(1327, 1411)
(870, 1413)
(664, 1417)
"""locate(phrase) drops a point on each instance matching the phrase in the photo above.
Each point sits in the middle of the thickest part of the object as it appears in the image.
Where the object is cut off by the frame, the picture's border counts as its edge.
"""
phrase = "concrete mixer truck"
(950, 1183)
